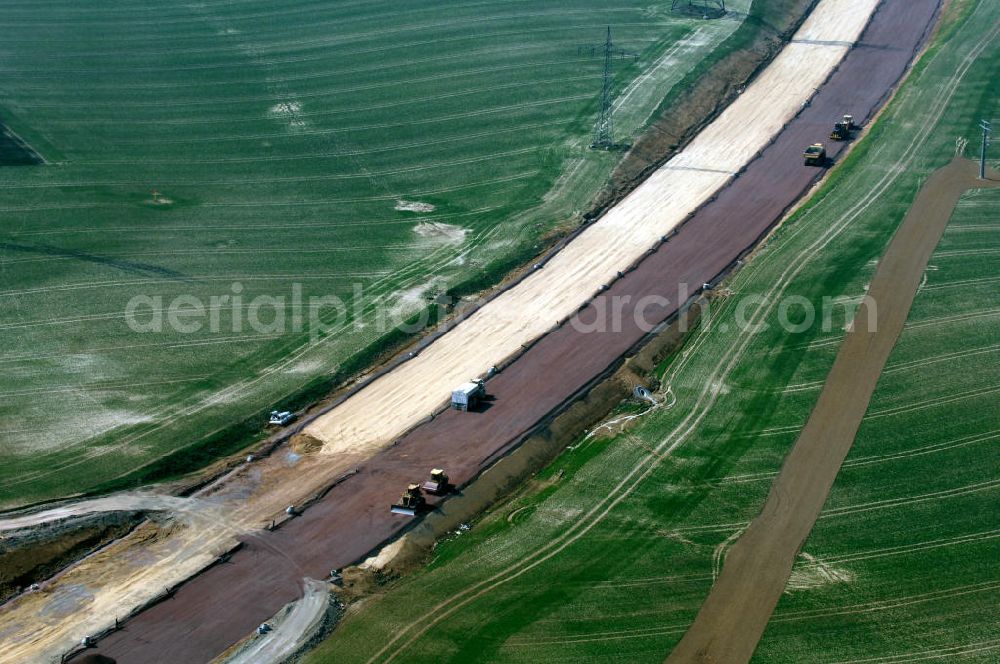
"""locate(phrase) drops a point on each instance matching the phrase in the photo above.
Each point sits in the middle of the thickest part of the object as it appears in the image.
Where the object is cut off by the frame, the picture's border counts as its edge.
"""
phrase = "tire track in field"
(906, 501)
(381, 67)
(919, 325)
(926, 449)
(524, 175)
(962, 283)
(652, 580)
(123, 283)
(968, 252)
(942, 652)
(341, 39)
(265, 226)
(201, 120)
(35, 74)
(115, 106)
(356, 152)
(210, 252)
(494, 110)
(874, 459)
(903, 366)
(285, 179)
(790, 616)
(930, 403)
(101, 386)
(888, 503)
(914, 547)
(290, 203)
(302, 8)
(884, 605)
(168, 344)
(67, 13)
(957, 318)
(74, 7)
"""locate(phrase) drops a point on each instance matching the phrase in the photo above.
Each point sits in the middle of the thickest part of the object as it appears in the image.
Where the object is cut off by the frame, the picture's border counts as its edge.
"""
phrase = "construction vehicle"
(842, 130)
(815, 155)
(438, 484)
(411, 502)
(467, 395)
(280, 418)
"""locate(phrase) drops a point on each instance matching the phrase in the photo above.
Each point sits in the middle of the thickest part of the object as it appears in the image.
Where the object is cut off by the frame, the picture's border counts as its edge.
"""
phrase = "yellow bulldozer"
(411, 502)
(842, 130)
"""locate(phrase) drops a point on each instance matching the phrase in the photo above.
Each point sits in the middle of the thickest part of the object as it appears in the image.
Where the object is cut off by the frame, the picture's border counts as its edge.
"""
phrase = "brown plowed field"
(757, 567)
(220, 606)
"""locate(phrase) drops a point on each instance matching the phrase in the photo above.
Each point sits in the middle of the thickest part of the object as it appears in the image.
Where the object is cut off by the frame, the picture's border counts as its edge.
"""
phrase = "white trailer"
(467, 395)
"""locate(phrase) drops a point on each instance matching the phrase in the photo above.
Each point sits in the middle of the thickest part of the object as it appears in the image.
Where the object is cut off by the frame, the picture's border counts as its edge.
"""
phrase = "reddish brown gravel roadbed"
(757, 567)
(225, 603)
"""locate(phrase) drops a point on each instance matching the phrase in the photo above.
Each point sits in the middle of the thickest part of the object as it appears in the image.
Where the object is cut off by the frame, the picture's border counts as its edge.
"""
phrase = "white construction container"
(466, 395)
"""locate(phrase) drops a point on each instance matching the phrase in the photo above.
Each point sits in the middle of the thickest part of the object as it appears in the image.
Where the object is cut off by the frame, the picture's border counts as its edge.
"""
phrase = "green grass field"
(611, 561)
(280, 140)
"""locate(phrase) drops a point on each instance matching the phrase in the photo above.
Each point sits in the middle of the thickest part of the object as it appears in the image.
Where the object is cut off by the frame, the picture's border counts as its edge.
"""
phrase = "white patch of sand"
(811, 572)
(289, 111)
(286, 108)
(413, 206)
(305, 367)
(87, 420)
(441, 232)
(412, 299)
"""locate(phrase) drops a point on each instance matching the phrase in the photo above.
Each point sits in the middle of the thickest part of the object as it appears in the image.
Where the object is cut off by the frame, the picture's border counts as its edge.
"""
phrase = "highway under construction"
(742, 203)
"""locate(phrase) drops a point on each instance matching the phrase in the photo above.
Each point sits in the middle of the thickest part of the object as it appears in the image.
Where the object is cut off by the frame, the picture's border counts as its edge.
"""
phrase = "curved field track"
(218, 607)
(758, 565)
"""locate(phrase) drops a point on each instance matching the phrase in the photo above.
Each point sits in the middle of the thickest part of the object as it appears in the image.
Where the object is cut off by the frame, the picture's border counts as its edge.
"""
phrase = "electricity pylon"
(604, 129)
(987, 128)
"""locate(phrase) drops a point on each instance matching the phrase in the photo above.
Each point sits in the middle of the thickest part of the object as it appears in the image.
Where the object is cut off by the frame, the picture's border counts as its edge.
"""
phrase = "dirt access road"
(757, 567)
(219, 607)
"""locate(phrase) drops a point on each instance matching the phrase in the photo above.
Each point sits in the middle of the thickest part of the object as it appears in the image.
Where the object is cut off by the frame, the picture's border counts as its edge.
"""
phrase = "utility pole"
(604, 129)
(986, 127)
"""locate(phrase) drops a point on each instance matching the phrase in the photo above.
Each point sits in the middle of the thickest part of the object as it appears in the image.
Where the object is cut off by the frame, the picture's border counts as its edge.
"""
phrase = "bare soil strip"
(758, 566)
